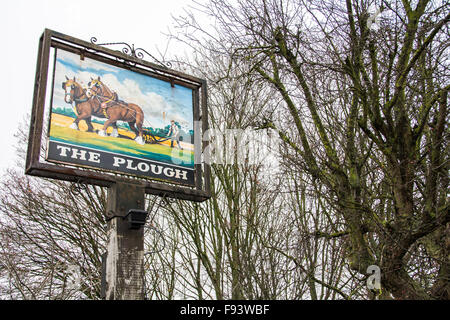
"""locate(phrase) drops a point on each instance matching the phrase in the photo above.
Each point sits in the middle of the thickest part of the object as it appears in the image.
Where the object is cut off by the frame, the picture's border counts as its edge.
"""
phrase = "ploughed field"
(123, 144)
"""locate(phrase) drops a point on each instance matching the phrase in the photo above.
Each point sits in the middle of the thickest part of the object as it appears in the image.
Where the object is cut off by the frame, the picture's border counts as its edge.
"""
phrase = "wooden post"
(125, 250)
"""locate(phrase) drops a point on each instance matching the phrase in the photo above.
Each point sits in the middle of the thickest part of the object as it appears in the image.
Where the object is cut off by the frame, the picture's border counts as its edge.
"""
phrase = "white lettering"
(142, 166)
(130, 165)
(169, 172)
(94, 157)
(192, 310)
(182, 173)
(123, 163)
(63, 150)
(78, 153)
(118, 161)
(153, 169)
(373, 281)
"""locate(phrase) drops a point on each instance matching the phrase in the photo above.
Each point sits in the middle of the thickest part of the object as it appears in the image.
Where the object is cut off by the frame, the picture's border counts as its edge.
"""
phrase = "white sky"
(22, 22)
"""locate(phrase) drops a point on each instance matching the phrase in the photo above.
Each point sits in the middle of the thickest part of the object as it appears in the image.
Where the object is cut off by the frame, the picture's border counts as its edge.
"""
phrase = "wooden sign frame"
(37, 165)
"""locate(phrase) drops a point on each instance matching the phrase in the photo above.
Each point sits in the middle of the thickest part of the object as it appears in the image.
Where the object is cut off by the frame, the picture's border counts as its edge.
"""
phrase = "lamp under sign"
(136, 218)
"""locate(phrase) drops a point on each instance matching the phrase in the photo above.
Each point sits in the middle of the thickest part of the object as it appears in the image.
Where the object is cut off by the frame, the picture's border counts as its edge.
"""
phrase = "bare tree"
(52, 236)
(250, 240)
(364, 115)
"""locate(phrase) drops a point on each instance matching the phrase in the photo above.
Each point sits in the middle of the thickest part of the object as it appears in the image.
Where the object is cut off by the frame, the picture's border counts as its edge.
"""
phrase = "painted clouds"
(159, 101)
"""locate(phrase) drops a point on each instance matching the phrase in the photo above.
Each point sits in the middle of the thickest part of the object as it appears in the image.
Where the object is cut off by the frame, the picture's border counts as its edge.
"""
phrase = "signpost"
(125, 248)
(111, 119)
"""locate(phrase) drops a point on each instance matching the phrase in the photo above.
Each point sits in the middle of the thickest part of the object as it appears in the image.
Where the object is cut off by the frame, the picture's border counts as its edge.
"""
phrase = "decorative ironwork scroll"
(130, 50)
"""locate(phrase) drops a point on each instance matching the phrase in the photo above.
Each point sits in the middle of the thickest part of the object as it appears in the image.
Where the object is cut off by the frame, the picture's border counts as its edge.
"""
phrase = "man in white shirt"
(174, 134)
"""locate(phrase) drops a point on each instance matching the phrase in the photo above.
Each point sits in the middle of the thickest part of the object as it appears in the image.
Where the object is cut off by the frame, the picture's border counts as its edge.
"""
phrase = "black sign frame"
(200, 191)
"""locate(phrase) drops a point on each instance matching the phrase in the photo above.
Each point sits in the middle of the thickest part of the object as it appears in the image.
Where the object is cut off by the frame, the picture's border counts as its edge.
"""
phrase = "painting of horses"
(108, 117)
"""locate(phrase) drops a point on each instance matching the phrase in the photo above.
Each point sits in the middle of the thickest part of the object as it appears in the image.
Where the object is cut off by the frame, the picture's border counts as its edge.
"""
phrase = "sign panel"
(101, 116)
(107, 117)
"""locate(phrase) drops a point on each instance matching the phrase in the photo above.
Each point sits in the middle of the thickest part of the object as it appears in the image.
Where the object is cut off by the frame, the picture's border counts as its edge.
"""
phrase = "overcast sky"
(22, 22)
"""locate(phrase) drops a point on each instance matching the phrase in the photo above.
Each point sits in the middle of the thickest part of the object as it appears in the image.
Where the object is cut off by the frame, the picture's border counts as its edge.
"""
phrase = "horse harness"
(109, 103)
(104, 105)
(76, 100)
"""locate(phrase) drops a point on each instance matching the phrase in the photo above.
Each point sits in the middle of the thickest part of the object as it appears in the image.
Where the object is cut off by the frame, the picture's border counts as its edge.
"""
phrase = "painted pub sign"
(111, 118)
(114, 116)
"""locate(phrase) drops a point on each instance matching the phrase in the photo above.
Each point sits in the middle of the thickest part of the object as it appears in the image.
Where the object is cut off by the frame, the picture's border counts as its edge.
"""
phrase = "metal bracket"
(130, 50)
(77, 187)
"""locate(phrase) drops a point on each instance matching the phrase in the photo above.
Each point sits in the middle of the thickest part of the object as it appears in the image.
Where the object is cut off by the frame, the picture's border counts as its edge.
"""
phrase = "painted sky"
(159, 101)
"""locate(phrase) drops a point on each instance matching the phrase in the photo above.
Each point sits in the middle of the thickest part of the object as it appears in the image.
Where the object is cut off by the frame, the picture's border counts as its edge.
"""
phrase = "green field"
(123, 144)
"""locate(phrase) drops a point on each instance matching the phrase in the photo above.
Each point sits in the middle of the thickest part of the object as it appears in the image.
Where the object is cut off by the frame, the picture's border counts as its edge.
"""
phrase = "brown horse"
(115, 109)
(84, 106)
(87, 107)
